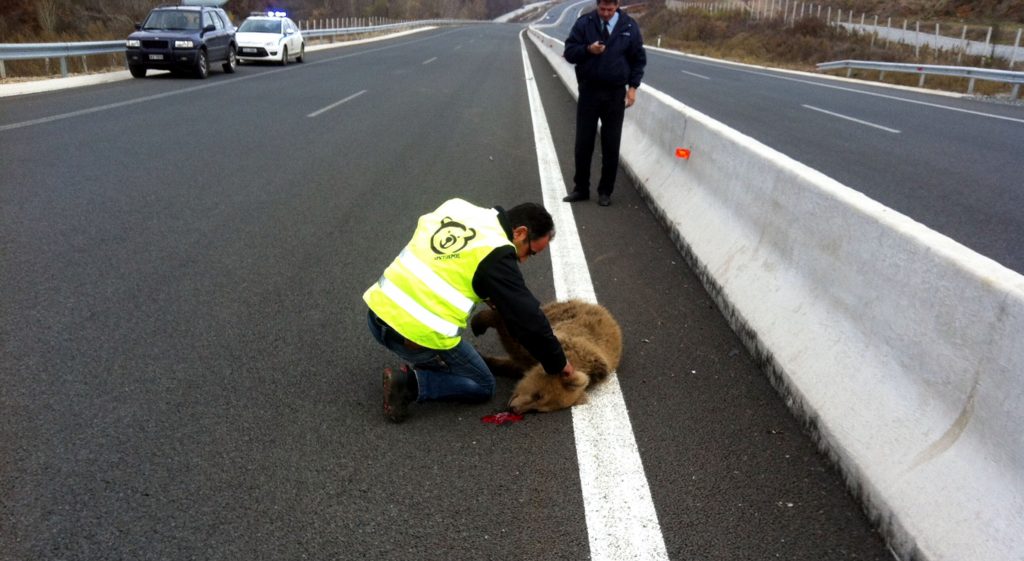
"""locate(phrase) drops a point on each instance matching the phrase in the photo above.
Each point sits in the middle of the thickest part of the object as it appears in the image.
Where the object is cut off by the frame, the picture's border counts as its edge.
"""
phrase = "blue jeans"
(456, 374)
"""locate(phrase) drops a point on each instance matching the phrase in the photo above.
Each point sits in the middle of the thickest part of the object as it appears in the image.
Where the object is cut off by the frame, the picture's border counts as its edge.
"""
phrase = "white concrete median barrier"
(903, 349)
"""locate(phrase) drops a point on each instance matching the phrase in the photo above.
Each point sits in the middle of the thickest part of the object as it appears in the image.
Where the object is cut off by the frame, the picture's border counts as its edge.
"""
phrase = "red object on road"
(502, 418)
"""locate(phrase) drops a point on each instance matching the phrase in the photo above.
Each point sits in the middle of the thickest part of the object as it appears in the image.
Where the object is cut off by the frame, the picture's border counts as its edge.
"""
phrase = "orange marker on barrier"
(683, 153)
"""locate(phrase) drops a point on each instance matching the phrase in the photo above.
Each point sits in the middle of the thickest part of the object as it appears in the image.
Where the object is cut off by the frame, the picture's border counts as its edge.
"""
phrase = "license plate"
(248, 50)
(156, 57)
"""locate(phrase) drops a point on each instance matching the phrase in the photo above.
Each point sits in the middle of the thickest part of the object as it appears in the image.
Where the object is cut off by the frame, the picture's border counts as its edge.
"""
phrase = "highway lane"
(186, 369)
(950, 163)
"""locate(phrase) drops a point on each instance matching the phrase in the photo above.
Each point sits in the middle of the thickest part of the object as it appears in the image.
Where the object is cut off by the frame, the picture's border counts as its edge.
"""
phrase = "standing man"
(459, 255)
(608, 51)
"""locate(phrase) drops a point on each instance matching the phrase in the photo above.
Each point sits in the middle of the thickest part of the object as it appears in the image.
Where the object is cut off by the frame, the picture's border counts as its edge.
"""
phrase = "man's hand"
(568, 371)
(630, 96)
(595, 48)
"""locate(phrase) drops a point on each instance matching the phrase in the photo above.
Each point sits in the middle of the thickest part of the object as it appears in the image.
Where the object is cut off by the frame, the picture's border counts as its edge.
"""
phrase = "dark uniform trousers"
(607, 104)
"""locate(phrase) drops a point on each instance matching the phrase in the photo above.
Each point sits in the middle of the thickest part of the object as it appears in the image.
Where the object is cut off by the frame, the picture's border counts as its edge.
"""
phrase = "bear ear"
(576, 381)
(446, 220)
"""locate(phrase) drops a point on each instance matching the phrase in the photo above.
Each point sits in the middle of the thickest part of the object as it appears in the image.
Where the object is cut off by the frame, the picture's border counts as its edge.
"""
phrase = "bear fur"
(591, 339)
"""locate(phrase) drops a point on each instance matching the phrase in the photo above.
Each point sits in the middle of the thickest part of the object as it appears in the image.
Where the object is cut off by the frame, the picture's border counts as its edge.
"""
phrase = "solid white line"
(697, 75)
(621, 521)
(428, 61)
(887, 129)
(336, 103)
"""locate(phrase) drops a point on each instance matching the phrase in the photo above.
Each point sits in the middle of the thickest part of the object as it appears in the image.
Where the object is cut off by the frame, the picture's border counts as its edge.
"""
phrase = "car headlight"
(132, 43)
(183, 44)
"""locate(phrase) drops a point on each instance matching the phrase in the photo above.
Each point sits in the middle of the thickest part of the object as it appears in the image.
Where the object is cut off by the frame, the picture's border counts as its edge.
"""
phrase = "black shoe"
(576, 196)
(604, 200)
(398, 393)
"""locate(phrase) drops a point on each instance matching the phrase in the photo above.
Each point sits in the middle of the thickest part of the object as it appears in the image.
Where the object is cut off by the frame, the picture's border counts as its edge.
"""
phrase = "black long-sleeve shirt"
(499, 280)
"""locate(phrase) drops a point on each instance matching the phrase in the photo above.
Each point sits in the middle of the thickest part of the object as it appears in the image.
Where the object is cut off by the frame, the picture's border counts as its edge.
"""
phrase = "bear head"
(450, 237)
(543, 392)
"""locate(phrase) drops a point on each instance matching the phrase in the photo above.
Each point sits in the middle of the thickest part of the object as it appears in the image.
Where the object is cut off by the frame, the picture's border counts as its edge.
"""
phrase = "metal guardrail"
(25, 51)
(321, 33)
(63, 51)
(29, 51)
(972, 74)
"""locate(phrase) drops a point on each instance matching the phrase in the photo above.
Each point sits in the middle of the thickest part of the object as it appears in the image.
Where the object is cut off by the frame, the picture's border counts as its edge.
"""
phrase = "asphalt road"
(951, 163)
(186, 370)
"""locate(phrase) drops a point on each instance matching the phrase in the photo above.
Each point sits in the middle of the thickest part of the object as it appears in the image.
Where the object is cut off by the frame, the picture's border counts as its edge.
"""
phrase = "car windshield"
(260, 26)
(172, 19)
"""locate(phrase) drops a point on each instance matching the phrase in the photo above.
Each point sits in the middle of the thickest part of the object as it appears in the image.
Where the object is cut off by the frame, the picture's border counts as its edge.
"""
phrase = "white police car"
(269, 36)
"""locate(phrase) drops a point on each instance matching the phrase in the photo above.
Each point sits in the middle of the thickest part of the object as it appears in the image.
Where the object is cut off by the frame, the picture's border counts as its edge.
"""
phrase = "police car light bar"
(270, 14)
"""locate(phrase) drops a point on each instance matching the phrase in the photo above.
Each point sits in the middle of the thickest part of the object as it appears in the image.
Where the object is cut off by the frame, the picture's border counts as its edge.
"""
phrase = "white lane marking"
(109, 106)
(695, 74)
(428, 61)
(855, 90)
(336, 103)
(887, 129)
(233, 80)
(622, 523)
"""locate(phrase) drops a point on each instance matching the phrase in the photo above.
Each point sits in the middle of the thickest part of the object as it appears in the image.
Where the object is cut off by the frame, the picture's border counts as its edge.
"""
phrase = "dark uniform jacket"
(499, 280)
(623, 61)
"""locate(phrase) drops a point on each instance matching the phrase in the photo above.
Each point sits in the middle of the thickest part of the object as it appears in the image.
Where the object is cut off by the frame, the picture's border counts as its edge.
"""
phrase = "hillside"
(35, 21)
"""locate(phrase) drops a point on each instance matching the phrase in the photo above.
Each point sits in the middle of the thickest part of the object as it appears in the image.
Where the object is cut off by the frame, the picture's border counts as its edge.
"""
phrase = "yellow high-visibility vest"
(426, 293)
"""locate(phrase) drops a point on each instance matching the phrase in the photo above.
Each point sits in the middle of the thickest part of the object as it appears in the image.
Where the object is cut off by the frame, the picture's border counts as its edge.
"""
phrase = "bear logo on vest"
(451, 237)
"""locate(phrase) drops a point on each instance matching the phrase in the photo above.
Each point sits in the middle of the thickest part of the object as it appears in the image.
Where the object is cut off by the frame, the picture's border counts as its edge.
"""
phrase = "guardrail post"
(920, 83)
(1016, 45)
(3, 71)
(64, 67)
(963, 45)
(970, 86)
(85, 66)
(917, 41)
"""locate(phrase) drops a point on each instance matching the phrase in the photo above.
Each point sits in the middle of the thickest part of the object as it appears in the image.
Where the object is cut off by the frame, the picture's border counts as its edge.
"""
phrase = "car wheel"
(284, 56)
(137, 71)
(302, 53)
(232, 61)
(202, 65)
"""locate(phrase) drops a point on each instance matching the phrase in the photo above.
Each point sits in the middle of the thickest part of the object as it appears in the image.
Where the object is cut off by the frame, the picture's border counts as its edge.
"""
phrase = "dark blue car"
(184, 38)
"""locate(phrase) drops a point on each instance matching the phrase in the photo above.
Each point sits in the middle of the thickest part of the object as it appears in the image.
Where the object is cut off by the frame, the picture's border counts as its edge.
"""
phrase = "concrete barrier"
(902, 349)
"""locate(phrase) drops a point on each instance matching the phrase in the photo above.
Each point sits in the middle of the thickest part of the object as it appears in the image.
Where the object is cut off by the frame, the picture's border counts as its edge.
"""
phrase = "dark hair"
(535, 217)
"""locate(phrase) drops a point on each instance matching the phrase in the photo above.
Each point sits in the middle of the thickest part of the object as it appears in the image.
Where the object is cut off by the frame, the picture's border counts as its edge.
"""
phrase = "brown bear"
(592, 341)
